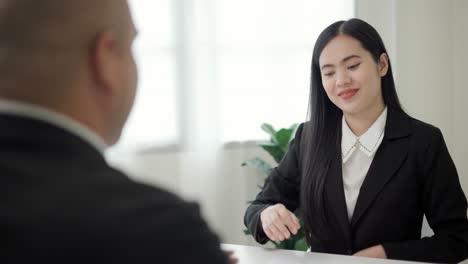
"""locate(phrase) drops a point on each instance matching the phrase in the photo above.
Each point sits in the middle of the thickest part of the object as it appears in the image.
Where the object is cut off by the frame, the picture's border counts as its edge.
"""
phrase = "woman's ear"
(383, 64)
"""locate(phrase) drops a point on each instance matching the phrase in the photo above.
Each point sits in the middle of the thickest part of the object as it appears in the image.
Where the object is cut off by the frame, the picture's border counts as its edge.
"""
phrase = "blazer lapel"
(335, 197)
(388, 159)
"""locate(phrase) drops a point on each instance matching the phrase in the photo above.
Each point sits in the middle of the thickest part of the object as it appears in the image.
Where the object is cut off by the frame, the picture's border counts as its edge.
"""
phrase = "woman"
(362, 171)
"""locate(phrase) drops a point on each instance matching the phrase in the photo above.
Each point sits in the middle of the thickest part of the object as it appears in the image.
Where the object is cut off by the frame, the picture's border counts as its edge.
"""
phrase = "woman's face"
(351, 77)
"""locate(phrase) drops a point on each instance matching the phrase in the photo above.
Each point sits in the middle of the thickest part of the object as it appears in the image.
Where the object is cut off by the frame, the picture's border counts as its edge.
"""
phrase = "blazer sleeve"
(281, 186)
(445, 207)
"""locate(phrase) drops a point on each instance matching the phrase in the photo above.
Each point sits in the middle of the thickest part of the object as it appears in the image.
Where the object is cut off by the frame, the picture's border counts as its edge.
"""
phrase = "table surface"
(258, 255)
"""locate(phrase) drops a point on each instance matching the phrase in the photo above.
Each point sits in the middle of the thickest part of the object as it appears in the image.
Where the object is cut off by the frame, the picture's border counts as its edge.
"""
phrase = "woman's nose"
(342, 80)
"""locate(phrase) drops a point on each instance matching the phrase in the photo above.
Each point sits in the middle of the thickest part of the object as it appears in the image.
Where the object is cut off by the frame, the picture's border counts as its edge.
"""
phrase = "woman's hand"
(372, 252)
(278, 222)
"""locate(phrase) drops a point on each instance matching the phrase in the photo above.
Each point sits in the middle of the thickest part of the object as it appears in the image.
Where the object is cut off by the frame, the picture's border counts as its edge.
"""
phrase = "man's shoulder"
(122, 184)
(149, 200)
(157, 217)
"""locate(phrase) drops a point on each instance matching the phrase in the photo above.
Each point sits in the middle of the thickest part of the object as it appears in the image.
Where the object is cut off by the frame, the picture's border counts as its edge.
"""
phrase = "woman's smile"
(348, 93)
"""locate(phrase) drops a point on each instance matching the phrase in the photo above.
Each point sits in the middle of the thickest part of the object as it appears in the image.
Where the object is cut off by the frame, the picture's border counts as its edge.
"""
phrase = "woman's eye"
(354, 66)
(328, 74)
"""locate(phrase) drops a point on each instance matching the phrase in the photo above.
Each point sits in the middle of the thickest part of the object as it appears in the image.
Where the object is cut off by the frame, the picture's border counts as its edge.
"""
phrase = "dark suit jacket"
(412, 174)
(61, 202)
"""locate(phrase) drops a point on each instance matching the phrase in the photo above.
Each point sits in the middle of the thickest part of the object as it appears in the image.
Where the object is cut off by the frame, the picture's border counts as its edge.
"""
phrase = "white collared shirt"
(54, 118)
(357, 154)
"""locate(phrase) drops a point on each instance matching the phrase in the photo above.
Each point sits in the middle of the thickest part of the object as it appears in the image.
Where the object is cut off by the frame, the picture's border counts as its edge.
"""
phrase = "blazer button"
(349, 251)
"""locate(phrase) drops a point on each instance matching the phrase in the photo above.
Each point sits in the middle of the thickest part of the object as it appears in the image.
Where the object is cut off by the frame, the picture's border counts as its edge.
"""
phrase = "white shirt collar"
(368, 143)
(55, 118)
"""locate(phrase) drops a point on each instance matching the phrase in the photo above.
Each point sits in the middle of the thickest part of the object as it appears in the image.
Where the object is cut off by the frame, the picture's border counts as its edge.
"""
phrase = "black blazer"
(61, 202)
(412, 174)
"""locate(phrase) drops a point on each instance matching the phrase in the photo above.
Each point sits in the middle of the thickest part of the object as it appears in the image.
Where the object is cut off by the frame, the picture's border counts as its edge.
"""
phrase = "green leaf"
(269, 129)
(301, 245)
(275, 151)
(259, 164)
(283, 137)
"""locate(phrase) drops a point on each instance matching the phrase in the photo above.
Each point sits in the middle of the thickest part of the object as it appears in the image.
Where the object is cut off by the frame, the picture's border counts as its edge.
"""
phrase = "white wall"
(427, 43)
(428, 40)
(460, 90)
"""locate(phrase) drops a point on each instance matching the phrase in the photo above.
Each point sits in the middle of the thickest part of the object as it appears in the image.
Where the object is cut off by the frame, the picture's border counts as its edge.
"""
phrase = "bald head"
(70, 56)
(46, 40)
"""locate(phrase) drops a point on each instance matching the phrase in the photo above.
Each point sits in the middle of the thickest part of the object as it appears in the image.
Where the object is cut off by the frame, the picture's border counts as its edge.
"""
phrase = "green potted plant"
(277, 147)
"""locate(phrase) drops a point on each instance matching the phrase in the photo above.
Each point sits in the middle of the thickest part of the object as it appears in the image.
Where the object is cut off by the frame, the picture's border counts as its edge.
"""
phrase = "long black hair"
(321, 136)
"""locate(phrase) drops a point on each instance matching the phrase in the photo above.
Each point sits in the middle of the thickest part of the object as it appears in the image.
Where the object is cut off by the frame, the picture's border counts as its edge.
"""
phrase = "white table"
(258, 255)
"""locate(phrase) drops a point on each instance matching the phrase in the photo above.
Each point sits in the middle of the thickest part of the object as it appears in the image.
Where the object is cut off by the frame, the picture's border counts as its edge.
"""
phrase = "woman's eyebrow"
(343, 60)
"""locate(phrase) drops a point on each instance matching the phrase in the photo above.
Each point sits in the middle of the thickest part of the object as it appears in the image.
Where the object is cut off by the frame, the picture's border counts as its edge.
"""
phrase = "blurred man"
(67, 84)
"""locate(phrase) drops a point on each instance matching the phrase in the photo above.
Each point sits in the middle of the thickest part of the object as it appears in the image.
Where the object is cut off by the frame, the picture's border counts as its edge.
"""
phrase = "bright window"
(256, 52)
(154, 118)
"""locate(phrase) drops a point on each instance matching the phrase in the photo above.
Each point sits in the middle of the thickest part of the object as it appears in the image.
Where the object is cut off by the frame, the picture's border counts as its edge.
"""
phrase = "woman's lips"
(348, 93)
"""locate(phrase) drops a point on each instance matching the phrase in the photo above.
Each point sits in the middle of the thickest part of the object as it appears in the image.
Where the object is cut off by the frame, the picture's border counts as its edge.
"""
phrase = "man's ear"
(104, 61)
(383, 64)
